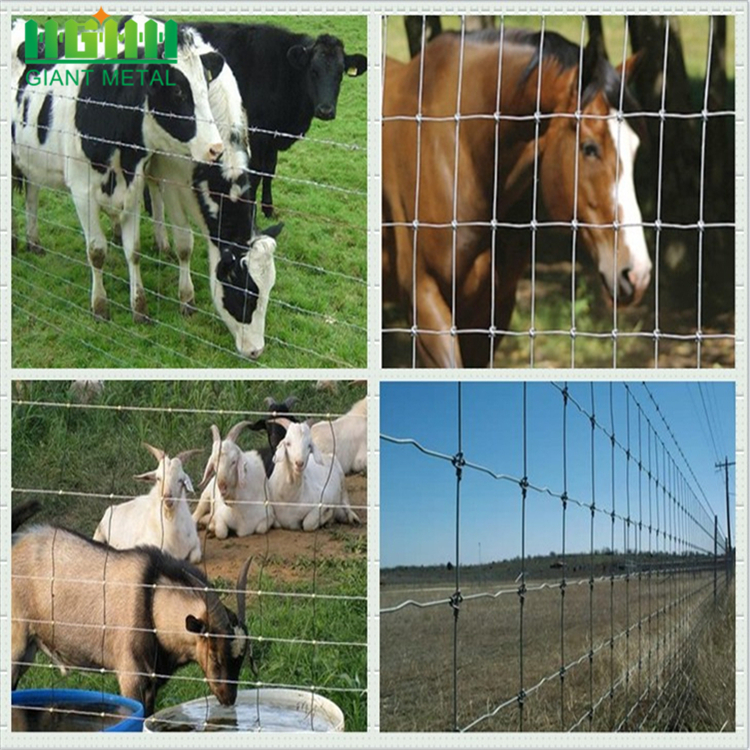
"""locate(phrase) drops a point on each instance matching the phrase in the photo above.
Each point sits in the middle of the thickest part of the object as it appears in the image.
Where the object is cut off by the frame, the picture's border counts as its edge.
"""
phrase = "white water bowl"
(261, 710)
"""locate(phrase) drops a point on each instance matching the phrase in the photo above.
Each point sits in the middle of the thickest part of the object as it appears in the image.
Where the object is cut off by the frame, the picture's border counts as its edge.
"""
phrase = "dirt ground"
(284, 553)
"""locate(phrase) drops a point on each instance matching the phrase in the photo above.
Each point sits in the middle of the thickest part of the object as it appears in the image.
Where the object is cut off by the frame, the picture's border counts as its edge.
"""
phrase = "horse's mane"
(567, 55)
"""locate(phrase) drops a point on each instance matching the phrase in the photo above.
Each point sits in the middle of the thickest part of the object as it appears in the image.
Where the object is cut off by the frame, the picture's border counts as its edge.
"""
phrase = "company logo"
(80, 41)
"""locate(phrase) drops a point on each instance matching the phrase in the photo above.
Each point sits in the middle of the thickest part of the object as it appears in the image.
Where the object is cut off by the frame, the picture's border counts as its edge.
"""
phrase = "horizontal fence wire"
(628, 617)
(306, 625)
(435, 329)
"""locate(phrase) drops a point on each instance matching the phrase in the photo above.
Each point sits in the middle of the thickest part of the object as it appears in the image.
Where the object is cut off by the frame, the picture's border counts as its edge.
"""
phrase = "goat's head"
(278, 420)
(171, 482)
(226, 461)
(296, 448)
(223, 640)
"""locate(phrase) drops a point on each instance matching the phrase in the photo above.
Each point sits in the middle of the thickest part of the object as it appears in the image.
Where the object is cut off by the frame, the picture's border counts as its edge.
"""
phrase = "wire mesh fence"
(316, 312)
(610, 631)
(75, 451)
(519, 164)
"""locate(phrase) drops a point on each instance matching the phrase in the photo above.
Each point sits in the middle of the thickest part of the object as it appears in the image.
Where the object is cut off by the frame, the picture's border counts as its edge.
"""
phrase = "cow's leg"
(161, 237)
(32, 219)
(175, 200)
(438, 349)
(87, 209)
(270, 170)
(131, 245)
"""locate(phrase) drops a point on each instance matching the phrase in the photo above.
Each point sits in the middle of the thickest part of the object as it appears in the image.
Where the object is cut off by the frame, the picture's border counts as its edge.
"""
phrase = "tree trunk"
(679, 142)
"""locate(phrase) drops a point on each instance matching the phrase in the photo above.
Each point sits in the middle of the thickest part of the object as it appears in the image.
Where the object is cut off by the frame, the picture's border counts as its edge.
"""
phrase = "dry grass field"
(619, 640)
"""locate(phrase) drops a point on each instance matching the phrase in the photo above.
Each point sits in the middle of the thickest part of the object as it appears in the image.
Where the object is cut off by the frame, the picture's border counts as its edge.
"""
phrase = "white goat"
(235, 497)
(161, 518)
(345, 438)
(307, 493)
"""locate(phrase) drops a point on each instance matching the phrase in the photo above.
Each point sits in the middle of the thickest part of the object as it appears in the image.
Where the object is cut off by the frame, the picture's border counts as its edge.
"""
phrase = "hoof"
(268, 210)
(101, 310)
(165, 249)
(188, 308)
(141, 317)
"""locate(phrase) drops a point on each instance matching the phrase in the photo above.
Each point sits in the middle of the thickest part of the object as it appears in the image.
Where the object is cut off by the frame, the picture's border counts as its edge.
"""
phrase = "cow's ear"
(298, 56)
(274, 231)
(355, 65)
(213, 63)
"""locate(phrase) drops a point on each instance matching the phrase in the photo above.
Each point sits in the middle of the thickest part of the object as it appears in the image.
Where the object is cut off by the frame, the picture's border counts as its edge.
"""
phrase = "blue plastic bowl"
(52, 710)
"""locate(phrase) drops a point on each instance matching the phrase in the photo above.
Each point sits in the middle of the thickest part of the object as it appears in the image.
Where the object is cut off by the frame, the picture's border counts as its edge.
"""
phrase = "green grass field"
(97, 450)
(317, 314)
(660, 672)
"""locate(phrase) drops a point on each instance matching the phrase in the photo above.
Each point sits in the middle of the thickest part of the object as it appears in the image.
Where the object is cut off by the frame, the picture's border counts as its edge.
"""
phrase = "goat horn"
(233, 434)
(269, 401)
(157, 453)
(215, 433)
(241, 586)
(290, 401)
(186, 454)
(214, 607)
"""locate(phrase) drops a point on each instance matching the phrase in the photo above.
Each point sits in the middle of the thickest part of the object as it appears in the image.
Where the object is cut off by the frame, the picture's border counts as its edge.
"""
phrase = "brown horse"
(462, 166)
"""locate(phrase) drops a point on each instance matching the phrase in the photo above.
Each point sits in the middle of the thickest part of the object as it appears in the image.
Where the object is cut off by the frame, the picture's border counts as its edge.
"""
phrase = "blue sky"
(418, 492)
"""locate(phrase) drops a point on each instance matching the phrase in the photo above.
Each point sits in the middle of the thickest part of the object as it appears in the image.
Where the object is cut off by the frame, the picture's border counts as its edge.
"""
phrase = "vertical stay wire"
(524, 483)
(564, 502)
(591, 569)
(616, 219)
(418, 176)
(701, 220)
(612, 567)
(659, 183)
(535, 189)
(495, 186)
(454, 222)
(574, 224)
(458, 463)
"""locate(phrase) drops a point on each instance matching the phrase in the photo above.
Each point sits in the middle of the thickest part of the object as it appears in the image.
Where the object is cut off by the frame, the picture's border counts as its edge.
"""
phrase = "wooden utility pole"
(725, 465)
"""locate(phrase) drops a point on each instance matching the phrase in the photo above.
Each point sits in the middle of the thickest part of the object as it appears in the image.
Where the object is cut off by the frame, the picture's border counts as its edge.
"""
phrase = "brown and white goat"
(138, 613)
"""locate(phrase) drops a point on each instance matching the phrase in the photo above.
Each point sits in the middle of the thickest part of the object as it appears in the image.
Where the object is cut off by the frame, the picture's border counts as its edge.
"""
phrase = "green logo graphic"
(82, 48)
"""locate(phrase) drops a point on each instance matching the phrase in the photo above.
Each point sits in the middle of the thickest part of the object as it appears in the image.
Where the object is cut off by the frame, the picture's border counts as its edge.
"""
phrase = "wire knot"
(564, 498)
(458, 462)
(521, 697)
(455, 602)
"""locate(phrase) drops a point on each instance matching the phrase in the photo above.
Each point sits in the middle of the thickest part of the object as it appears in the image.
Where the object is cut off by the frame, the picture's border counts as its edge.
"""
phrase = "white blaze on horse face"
(632, 250)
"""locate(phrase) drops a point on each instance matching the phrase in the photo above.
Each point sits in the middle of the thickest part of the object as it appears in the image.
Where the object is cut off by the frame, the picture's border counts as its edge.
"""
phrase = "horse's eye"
(591, 149)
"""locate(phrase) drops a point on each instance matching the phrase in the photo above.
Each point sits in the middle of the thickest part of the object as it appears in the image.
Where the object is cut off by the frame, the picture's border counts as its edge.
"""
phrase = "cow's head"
(324, 63)
(244, 279)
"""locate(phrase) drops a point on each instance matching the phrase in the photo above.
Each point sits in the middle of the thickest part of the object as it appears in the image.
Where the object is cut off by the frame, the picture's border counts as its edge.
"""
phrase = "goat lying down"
(139, 613)
(234, 497)
(307, 487)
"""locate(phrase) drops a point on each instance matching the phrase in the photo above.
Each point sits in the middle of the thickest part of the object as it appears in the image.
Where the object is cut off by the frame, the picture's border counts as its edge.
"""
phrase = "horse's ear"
(631, 65)
(593, 57)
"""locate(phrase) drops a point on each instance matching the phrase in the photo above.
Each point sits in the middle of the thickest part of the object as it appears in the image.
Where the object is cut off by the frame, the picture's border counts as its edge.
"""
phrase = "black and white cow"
(215, 195)
(76, 131)
(285, 80)
(241, 262)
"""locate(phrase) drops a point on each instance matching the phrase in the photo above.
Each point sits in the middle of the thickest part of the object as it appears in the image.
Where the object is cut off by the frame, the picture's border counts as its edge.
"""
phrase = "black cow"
(285, 80)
